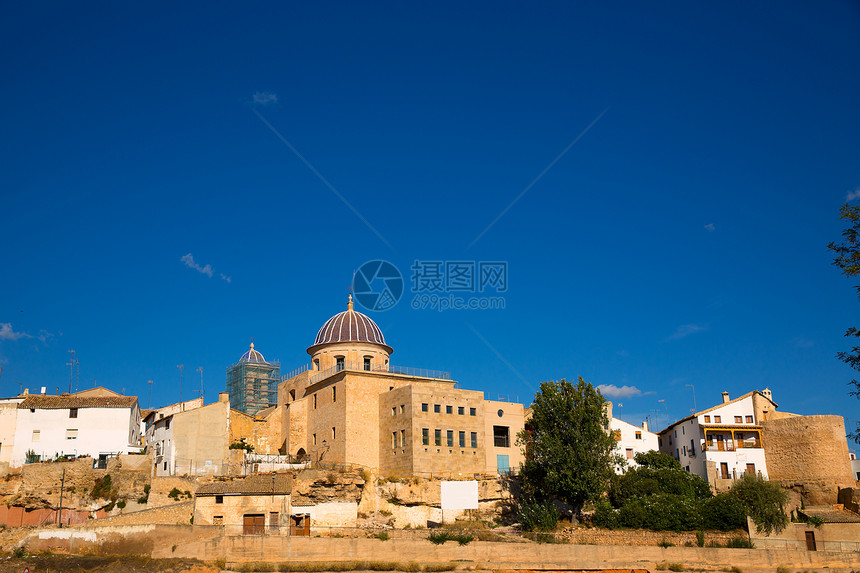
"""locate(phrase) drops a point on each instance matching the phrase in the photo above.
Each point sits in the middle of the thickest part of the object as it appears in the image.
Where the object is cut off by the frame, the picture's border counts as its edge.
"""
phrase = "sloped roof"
(59, 402)
(97, 391)
(720, 405)
(831, 514)
(261, 484)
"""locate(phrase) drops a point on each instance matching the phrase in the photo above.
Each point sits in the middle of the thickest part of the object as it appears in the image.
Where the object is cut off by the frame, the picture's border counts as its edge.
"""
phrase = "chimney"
(44, 389)
(767, 394)
(26, 392)
(725, 397)
(645, 425)
(223, 397)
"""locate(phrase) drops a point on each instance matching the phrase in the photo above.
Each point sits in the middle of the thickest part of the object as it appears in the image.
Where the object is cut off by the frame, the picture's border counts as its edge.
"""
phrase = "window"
(334, 393)
(449, 409)
(638, 435)
(474, 436)
(73, 412)
(629, 453)
(707, 419)
(692, 449)
(450, 436)
(685, 450)
(472, 412)
(402, 438)
(425, 436)
(71, 434)
(683, 431)
(717, 419)
(333, 433)
(501, 437)
(219, 499)
(676, 433)
(367, 363)
(617, 435)
(164, 466)
(739, 420)
(462, 439)
(402, 408)
(315, 401)
(437, 437)
(37, 434)
(339, 364)
(274, 519)
(460, 410)
(424, 407)
(314, 439)
(500, 413)
(394, 410)
(437, 408)
(217, 519)
(393, 439)
(749, 419)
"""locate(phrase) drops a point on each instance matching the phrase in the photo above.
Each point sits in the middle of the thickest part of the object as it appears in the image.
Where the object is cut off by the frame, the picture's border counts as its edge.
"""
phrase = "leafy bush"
(605, 515)
(121, 504)
(241, 445)
(647, 481)
(174, 494)
(815, 521)
(740, 543)
(700, 538)
(764, 501)
(533, 514)
(724, 512)
(383, 536)
(101, 488)
(19, 552)
(661, 512)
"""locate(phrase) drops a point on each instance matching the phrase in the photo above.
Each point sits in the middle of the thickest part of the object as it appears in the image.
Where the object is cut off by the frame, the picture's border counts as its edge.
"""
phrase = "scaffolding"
(253, 385)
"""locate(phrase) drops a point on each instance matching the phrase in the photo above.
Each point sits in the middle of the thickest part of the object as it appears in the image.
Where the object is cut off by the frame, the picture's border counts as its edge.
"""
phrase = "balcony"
(402, 370)
(731, 446)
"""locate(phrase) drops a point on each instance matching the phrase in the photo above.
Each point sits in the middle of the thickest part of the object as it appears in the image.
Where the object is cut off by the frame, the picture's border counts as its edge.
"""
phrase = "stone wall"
(811, 450)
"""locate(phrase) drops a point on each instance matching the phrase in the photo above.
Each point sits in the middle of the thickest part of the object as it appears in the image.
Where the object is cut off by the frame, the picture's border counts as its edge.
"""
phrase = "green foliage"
(646, 481)
(241, 445)
(724, 512)
(121, 504)
(31, 457)
(533, 514)
(664, 543)
(740, 543)
(815, 521)
(764, 502)
(848, 261)
(656, 460)
(605, 515)
(661, 512)
(101, 488)
(174, 494)
(383, 536)
(544, 537)
(19, 552)
(440, 537)
(700, 538)
(569, 455)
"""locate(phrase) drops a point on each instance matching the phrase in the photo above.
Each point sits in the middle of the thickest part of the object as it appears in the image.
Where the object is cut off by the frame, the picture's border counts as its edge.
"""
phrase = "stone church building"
(352, 406)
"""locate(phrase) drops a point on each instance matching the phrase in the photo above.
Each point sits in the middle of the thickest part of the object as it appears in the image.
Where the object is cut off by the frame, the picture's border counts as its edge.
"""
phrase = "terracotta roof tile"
(252, 485)
(60, 402)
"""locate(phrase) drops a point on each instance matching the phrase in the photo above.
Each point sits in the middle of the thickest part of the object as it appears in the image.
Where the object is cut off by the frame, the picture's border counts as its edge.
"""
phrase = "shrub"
(764, 502)
(439, 537)
(174, 494)
(740, 543)
(536, 515)
(647, 481)
(815, 520)
(700, 538)
(605, 515)
(19, 552)
(383, 536)
(101, 488)
(661, 512)
(664, 543)
(724, 512)
(121, 504)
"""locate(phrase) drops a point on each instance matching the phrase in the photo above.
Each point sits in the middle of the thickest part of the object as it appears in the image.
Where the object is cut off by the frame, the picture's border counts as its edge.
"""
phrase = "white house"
(79, 425)
(722, 442)
(632, 440)
(855, 466)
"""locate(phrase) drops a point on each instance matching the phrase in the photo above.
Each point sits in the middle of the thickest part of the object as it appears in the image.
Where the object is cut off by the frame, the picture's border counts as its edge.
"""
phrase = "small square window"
(638, 435)
(219, 499)
(460, 410)
(450, 436)
(425, 436)
(474, 437)
(707, 419)
(424, 407)
(37, 435)
(217, 519)
(717, 419)
(449, 409)
(71, 434)
(472, 412)
(749, 419)
(73, 412)
(437, 408)
(739, 420)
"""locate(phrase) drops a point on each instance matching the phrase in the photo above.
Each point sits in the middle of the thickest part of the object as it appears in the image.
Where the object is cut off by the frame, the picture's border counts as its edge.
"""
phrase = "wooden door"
(810, 541)
(751, 469)
(253, 524)
(724, 470)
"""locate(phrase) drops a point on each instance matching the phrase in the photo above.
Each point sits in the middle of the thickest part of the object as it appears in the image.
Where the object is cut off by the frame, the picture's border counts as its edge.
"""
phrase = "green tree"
(656, 460)
(569, 452)
(848, 260)
(764, 501)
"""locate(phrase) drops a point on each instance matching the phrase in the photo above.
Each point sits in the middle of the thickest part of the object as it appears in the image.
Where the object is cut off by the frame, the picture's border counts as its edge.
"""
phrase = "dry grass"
(339, 566)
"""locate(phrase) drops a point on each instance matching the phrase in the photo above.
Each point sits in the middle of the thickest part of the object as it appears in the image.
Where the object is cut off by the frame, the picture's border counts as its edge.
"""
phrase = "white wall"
(100, 431)
(8, 420)
(645, 443)
(161, 433)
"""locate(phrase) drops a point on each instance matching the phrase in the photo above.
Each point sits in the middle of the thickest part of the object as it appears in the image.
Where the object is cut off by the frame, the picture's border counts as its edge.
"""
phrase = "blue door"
(503, 464)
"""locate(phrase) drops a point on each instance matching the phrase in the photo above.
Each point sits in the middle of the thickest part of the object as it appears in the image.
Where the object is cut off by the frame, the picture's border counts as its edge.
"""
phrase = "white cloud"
(613, 391)
(686, 330)
(265, 98)
(225, 278)
(710, 228)
(851, 195)
(6, 332)
(191, 264)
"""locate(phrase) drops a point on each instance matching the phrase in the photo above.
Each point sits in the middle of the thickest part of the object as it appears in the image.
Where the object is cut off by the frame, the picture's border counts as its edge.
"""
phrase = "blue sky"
(680, 240)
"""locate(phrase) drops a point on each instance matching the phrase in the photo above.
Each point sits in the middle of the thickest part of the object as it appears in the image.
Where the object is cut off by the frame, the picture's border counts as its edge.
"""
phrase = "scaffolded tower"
(252, 383)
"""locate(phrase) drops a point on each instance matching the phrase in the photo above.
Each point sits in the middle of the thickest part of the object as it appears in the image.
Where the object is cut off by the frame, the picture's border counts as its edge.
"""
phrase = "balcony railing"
(357, 367)
(730, 446)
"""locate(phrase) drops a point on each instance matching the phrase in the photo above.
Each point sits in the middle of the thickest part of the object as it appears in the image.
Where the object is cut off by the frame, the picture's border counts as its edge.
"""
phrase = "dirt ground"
(75, 564)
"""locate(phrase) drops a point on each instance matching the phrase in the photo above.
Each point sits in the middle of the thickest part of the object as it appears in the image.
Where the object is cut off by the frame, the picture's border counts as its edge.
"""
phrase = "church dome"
(252, 356)
(349, 326)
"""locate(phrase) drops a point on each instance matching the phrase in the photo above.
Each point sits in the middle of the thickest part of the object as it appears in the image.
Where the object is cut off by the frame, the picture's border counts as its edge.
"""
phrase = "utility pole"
(181, 367)
(694, 397)
(62, 485)
(71, 365)
(200, 369)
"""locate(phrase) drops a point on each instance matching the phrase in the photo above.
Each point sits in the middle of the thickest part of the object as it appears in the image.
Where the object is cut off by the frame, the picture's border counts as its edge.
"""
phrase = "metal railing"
(730, 446)
(403, 370)
(296, 372)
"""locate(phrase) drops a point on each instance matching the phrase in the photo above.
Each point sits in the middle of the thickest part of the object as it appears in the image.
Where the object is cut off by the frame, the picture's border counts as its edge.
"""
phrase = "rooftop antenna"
(77, 374)
(694, 398)
(667, 411)
(149, 406)
(22, 388)
(94, 382)
(181, 367)
(71, 365)
(200, 369)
